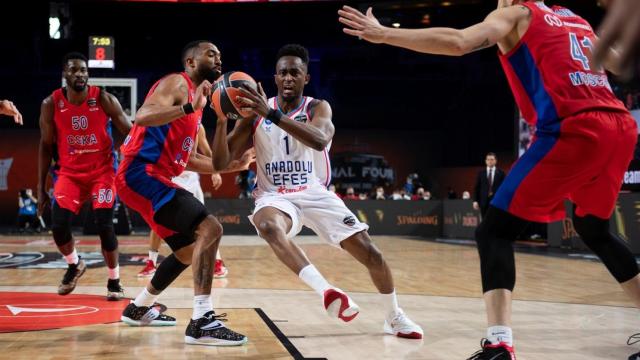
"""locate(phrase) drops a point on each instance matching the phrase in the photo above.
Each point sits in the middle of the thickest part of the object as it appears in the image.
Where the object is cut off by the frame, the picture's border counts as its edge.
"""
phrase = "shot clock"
(101, 52)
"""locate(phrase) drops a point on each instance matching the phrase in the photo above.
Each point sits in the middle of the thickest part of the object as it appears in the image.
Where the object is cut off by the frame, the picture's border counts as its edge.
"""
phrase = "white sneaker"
(339, 305)
(400, 325)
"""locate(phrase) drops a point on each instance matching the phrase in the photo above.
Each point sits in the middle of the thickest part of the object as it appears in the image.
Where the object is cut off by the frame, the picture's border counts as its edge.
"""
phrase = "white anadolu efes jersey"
(284, 164)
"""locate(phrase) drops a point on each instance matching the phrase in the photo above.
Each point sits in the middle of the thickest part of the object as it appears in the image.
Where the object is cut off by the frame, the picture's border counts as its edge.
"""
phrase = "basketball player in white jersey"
(190, 181)
(292, 137)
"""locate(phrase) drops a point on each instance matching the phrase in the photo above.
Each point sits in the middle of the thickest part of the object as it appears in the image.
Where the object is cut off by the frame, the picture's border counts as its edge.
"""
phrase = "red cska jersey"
(168, 146)
(83, 134)
(549, 72)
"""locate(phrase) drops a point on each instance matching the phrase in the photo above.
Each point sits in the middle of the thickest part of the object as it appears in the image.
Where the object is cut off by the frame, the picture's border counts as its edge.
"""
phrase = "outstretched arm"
(8, 108)
(166, 103)
(45, 151)
(443, 41)
(621, 27)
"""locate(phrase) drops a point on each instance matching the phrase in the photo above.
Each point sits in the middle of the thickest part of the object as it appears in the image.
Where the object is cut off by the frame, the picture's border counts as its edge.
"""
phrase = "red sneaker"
(149, 269)
(220, 271)
(339, 305)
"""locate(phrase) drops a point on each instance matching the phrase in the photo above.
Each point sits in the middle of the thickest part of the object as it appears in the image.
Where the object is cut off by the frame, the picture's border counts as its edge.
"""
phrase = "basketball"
(225, 90)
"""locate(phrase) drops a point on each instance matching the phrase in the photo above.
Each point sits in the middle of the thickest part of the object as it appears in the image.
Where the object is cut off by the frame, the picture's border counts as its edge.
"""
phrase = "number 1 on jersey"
(286, 144)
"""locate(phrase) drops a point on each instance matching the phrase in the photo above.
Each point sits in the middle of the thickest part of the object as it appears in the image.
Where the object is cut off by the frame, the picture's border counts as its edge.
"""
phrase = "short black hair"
(294, 50)
(73, 56)
(188, 49)
(491, 154)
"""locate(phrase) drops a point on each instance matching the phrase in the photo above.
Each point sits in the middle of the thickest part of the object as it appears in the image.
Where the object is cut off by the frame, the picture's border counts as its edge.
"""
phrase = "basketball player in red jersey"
(158, 149)
(584, 140)
(77, 120)
(7, 108)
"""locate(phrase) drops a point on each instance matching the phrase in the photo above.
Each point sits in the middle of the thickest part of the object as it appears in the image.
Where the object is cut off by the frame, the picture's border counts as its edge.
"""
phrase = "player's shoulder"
(48, 101)
(318, 103)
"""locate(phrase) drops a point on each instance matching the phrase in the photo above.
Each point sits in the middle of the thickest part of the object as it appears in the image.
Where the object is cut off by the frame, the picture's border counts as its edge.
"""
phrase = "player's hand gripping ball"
(225, 91)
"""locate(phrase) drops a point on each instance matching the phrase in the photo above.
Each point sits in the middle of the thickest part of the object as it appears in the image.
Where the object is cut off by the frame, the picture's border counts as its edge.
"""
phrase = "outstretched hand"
(621, 30)
(8, 108)
(363, 26)
(254, 100)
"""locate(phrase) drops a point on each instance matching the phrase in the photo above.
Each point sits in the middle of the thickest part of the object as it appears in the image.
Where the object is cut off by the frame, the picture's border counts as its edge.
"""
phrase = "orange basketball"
(225, 90)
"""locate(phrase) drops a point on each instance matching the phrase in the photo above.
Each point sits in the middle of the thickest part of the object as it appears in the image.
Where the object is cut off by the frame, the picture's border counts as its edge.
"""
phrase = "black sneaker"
(489, 351)
(145, 316)
(71, 276)
(210, 330)
(115, 292)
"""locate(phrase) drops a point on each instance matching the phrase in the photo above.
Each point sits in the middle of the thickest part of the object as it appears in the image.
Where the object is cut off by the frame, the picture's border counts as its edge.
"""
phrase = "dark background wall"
(371, 87)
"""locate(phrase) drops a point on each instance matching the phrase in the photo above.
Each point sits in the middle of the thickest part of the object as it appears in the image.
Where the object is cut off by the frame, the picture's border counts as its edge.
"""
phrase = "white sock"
(201, 305)
(153, 256)
(145, 298)
(498, 334)
(114, 273)
(72, 258)
(312, 277)
(391, 302)
(218, 256)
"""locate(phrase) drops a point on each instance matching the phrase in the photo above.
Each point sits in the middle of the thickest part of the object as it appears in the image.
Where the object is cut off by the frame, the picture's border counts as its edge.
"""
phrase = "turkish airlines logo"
(48, 310)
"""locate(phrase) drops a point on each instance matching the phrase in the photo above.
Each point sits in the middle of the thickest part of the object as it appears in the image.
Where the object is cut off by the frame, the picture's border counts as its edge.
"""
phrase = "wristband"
(275, 116)
(188, 108)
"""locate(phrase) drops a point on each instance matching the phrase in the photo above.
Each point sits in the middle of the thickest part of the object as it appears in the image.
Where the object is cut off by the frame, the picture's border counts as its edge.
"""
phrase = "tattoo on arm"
(485, 44)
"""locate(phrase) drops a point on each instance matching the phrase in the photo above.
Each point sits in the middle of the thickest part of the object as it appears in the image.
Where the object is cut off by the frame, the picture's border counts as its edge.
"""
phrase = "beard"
(78, 87)
(208, 74)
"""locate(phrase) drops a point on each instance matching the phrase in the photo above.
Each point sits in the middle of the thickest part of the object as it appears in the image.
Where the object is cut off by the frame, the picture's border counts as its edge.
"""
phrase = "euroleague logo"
(24, 311)
(187, 144)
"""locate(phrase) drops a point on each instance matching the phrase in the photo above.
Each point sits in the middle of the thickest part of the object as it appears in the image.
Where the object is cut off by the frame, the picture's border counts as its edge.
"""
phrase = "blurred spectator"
(400, 194)
(466, 195)
(350, 194)
(380, 193)
(487, 183)
(27, 209)
(363, 196)
(421, 194)
(451, 194)
(332, 188)
(412, 182)
(246, 181)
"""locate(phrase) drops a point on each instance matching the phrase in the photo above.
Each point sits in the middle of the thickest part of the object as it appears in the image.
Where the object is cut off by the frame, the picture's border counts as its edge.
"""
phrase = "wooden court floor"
(565, 309)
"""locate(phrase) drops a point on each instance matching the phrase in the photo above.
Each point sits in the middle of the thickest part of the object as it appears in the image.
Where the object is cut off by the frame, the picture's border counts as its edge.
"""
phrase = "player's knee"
(210, 229)
(269, 229)
(106, 231)
(185, 254)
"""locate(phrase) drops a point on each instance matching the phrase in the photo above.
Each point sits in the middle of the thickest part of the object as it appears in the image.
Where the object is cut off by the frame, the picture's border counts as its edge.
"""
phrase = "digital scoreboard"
(101, 52)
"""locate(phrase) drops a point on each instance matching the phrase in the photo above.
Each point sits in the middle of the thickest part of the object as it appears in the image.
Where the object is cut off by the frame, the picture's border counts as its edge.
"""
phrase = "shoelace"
(476, 355)
(211, 316)
(633, 339)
